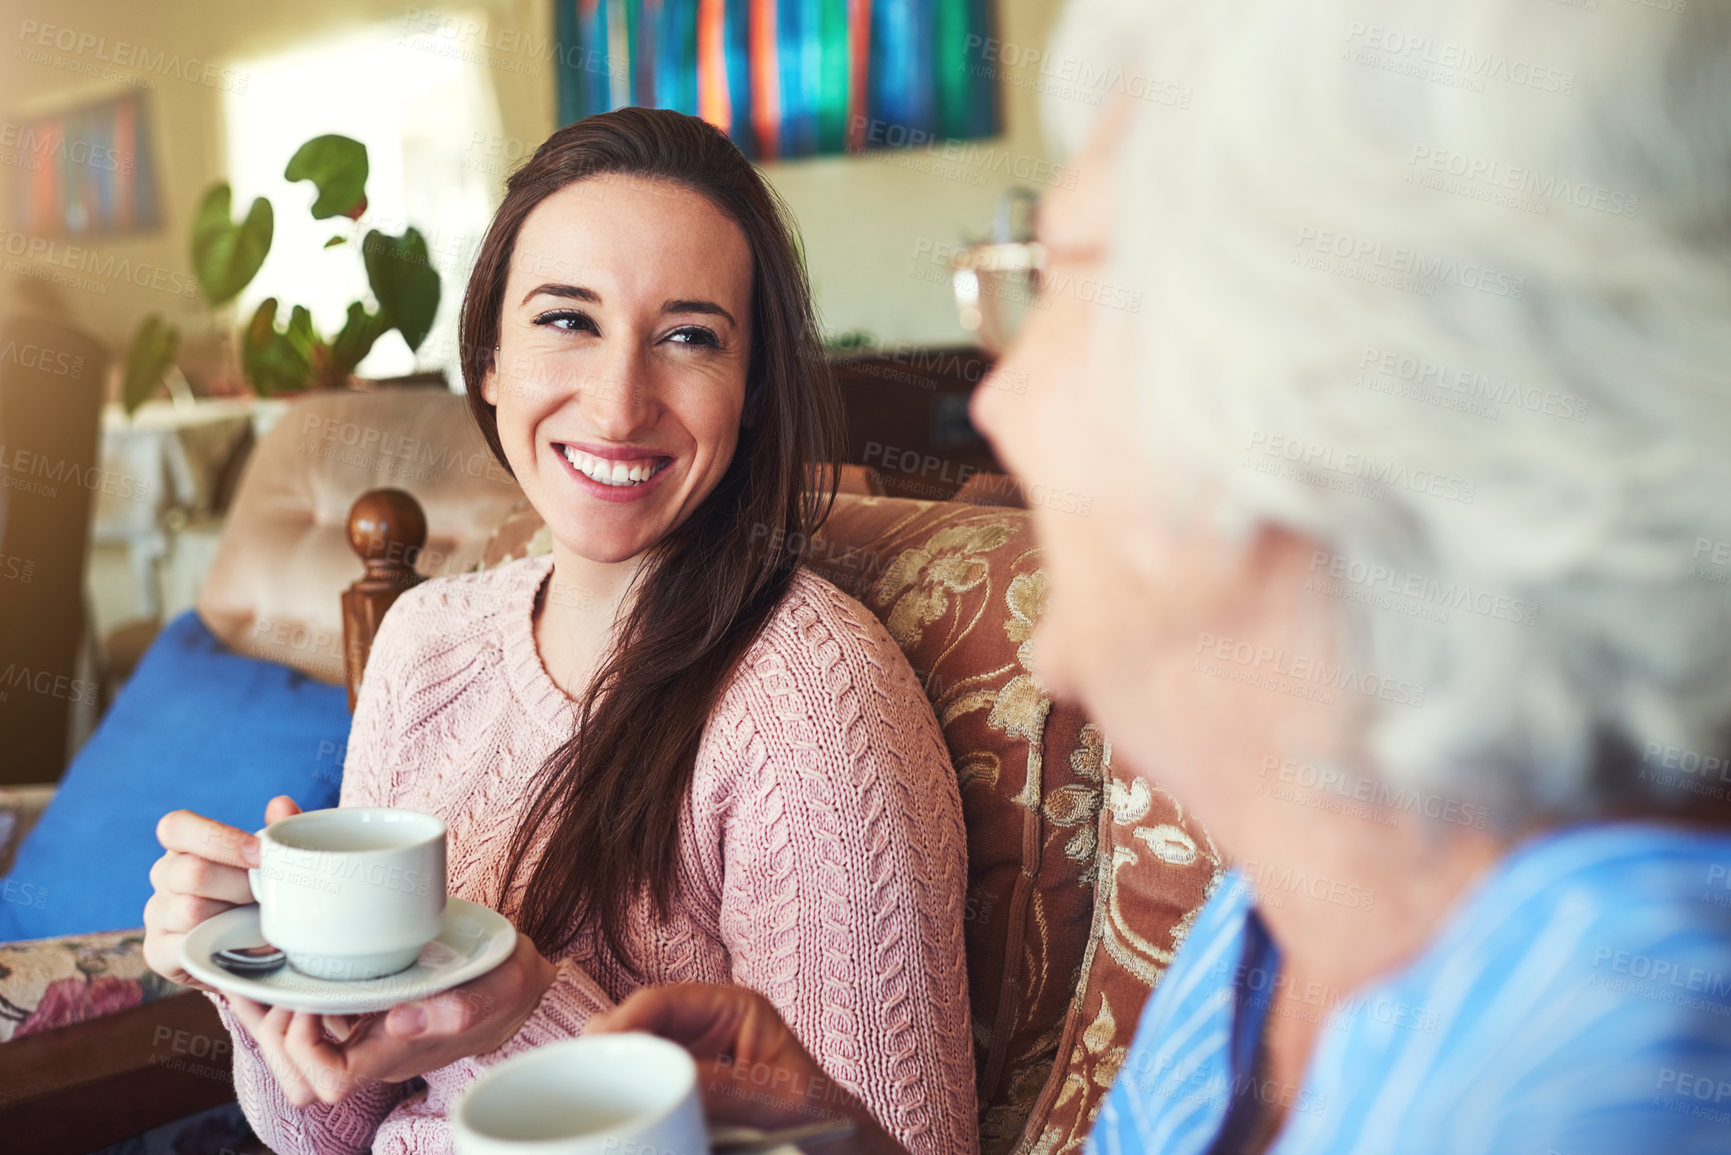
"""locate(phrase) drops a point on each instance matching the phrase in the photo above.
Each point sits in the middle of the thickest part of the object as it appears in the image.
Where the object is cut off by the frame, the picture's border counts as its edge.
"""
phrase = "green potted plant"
(227, 254)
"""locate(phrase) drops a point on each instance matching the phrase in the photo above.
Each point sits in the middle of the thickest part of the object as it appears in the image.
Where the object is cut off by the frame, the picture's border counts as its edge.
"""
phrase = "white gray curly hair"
(1446, 287)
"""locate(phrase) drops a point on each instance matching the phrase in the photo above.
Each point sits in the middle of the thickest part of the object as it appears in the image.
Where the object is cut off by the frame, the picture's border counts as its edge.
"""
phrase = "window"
(420, 114)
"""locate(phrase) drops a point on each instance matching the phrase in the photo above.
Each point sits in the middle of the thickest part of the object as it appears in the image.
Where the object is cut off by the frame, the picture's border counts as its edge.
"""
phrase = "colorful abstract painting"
(88, 172)
(788, 78)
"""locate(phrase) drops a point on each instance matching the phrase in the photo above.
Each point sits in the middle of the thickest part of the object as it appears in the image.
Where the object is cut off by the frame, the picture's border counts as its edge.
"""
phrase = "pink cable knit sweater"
(822, 856)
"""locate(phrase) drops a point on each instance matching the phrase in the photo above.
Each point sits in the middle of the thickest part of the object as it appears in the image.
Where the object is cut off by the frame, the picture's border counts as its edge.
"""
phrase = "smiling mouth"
(620, 474)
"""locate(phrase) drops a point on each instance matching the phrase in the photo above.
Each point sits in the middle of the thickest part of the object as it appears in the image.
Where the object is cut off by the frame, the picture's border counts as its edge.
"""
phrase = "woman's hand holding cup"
(326, 1058)
(202, 874)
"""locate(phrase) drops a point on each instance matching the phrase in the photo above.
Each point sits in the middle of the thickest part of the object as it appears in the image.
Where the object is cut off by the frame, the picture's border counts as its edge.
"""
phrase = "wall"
(872, 226)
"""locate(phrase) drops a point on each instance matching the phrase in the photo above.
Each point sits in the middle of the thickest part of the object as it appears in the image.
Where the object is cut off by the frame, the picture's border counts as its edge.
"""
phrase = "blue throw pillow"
(195, 727)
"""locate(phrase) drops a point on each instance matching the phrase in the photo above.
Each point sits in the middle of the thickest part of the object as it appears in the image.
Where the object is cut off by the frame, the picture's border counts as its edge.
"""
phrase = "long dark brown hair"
(606, 804)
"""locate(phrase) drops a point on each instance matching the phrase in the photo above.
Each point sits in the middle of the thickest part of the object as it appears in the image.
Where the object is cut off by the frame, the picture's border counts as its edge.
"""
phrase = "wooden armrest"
(857, 479)
(387, 531)
(83, 1086)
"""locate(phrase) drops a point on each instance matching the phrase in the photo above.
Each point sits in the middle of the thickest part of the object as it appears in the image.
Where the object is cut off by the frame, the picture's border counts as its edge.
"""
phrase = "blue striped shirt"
(1578, 1002)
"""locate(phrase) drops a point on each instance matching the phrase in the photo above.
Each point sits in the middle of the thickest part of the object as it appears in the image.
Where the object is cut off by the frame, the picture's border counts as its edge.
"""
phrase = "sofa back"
(273, 591)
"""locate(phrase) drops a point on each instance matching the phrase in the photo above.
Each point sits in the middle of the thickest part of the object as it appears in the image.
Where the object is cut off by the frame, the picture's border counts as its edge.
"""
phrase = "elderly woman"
(1405, 569)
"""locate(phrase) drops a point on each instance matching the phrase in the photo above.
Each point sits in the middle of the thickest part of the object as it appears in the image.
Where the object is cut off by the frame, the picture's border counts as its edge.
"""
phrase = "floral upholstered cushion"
(1157, 867)
(960, 587)
(55, 982)
(1083, 878)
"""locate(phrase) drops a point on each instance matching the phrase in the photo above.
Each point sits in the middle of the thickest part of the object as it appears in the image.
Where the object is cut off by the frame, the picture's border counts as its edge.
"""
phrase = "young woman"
(666, 752)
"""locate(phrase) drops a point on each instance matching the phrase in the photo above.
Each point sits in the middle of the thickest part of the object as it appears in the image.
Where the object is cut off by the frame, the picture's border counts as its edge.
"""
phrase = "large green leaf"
(337, 166)
(404, 280)
(276, 361)
(300, 330)
(153, 349)
(356, 338)
(227, 255)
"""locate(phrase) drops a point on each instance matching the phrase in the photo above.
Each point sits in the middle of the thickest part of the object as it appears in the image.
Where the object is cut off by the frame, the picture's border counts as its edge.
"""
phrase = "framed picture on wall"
(789, 78)
(87, 172)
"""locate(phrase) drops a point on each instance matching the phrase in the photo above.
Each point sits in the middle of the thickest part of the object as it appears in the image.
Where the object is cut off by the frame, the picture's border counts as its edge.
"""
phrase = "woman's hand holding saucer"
(327, 1058)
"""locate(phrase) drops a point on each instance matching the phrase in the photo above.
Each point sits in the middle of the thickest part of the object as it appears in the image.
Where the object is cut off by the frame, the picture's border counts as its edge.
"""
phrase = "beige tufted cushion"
(274, 590)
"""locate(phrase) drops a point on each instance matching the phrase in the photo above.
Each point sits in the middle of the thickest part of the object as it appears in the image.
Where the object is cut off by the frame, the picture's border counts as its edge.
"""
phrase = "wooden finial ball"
(386, 527)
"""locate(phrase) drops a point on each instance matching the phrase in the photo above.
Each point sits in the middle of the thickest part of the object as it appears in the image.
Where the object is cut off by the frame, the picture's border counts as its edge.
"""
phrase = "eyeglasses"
(995, 283)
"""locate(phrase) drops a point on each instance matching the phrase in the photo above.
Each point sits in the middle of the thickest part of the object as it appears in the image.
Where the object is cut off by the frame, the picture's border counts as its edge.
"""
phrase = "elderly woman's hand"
(752, 1070)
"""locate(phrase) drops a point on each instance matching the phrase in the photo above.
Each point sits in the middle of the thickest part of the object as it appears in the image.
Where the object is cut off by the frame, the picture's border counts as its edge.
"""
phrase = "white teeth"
(606, 472)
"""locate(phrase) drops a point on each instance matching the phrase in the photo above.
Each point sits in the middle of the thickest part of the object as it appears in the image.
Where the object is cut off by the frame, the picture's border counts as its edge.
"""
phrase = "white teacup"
(351, 893)
(630, 1094)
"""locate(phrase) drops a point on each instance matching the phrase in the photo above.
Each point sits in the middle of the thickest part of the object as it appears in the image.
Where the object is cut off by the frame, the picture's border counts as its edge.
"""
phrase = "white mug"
(630, 1094)
(351, 893)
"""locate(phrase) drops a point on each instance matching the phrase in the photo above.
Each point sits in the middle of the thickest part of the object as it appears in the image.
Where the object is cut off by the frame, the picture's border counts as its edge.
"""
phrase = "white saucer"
(473, 942)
